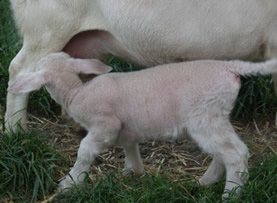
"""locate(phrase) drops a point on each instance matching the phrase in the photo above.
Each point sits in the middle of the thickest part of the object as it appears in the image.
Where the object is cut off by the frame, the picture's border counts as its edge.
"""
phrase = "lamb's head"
(59, 73)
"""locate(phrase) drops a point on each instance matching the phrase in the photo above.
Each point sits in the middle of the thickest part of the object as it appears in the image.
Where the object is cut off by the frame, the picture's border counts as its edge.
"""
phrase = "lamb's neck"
(69, 97)
(67, 90)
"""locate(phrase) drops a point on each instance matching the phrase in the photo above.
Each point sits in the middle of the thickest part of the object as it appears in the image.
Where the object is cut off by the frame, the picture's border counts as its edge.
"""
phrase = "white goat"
(166, 101)
(146, 32)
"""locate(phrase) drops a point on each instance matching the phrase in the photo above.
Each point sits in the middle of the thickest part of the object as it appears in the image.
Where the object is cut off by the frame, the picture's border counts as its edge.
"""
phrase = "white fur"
(147, 32)
(163, 102)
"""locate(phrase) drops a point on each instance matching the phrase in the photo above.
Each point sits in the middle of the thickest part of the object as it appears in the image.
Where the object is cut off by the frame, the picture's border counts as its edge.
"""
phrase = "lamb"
(165, 102)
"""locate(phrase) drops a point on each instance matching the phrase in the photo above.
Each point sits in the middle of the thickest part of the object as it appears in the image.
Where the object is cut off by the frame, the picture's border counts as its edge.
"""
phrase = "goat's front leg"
(25, 61)
(16, 112)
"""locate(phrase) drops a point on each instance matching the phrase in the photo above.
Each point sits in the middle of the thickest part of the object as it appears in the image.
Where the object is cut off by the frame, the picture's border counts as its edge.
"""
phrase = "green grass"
(262, 187)
(256, 98)
(121, 66)
(27, 165)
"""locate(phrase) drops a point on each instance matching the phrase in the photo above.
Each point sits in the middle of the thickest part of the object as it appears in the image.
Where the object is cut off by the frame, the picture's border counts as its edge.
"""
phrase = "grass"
(256, 98)
(27, 165)
(114, 188)
(262, 187)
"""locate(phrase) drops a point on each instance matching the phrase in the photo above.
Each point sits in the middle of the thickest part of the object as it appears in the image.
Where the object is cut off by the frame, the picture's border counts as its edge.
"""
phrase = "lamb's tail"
(251, 68)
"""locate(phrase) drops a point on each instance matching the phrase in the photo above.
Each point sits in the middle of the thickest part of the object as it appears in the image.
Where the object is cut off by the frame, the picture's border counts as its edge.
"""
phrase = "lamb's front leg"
(133, 162)
(98, 139)
(87, 152)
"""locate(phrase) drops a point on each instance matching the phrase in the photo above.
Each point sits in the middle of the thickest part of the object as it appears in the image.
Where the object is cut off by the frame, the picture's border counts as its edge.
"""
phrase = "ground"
(177, 158)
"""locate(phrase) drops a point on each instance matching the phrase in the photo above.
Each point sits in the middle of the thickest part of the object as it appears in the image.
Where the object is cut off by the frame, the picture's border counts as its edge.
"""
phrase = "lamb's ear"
(28, 82)
(90, 66)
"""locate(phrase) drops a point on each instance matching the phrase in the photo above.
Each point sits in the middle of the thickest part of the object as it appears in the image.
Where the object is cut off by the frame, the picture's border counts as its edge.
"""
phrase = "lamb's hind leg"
(214, 172)
(220, 140)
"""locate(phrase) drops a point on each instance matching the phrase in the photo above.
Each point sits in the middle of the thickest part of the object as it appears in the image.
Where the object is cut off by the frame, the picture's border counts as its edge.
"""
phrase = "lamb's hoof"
(65, 185)
(227, 194)
(128, 171)
(206, 182)
(201, 182)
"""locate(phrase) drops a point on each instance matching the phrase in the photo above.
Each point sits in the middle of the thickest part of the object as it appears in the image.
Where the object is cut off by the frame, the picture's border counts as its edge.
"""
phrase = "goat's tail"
(249, 68)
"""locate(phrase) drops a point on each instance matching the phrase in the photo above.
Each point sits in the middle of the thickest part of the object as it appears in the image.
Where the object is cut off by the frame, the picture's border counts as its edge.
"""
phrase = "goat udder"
(89, 44)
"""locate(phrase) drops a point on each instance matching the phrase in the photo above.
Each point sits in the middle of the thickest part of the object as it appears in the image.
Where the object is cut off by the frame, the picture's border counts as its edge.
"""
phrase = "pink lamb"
(164, 102)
